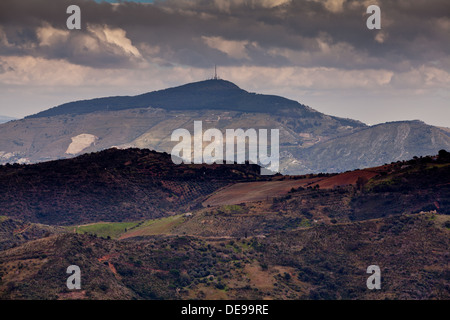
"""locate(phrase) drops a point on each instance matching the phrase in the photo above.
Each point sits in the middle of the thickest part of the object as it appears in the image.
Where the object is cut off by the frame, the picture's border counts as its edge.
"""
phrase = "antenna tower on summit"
(215, 72)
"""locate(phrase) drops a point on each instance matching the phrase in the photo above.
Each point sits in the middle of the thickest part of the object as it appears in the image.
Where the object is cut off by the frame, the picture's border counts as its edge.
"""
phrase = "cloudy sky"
(318, 52)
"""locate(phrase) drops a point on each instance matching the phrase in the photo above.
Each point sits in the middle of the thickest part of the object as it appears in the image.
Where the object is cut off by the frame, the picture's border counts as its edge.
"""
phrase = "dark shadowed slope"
(112, 185)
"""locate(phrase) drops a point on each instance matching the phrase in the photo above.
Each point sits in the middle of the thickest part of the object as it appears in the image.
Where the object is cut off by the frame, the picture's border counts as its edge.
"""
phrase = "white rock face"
(81, 142)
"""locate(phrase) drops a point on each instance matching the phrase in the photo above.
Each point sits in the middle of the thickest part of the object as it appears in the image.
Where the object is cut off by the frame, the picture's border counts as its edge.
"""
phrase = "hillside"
(111, 185)
(133, 186)
(376, 145)
(406, 187)
(322, 262)
(15, 232)
(298, 237)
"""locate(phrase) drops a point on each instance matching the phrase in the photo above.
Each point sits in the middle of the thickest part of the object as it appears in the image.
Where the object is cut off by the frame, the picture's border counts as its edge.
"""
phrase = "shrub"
(175, 272)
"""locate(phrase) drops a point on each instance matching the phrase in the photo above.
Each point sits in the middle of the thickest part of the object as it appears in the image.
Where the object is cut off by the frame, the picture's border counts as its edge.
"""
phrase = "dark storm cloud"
(199, 33)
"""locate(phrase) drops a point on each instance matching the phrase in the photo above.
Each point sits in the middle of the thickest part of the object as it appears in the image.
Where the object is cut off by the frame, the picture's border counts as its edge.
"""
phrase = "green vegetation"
(106, 229)
(115, 230)
(230, 209)
(305, 223)
(158, 226)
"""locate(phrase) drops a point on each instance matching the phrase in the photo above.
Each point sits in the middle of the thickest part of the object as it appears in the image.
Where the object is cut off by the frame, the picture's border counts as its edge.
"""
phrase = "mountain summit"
(209, 94)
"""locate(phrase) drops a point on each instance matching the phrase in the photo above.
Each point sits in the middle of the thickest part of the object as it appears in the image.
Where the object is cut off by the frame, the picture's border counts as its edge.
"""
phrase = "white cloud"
(97, 45)
(49, 36)
(299, 78)
(323, 51)
(332, 5)
(36, 71)
(28, 70)
(381, 37)
(443, 23)
(422, 79)
(3, 38)
(116, 36)
(273, 3)
(234, 49)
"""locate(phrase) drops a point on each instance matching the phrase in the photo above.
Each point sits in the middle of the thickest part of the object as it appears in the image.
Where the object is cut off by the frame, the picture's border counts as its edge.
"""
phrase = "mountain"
(376, 145)
(203, 95)
(4, 119)
(310, 141)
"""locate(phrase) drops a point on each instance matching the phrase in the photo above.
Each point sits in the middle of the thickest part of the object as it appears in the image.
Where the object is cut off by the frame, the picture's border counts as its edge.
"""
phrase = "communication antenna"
(215, 72)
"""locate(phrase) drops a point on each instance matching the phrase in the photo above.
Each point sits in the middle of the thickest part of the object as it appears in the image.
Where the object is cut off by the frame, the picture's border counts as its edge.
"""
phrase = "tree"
(443, 154)
(361, 182)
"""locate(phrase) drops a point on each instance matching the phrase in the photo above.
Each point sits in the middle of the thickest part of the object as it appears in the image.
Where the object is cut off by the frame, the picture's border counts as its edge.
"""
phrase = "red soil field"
(346, 178)
(264, 190)
(256, 191)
